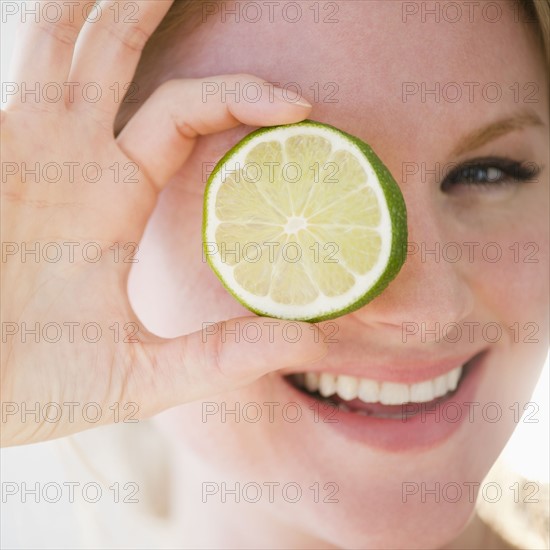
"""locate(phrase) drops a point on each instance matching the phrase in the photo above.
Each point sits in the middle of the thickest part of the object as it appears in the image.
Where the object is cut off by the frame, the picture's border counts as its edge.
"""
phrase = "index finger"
(161, 135)
(46, 39)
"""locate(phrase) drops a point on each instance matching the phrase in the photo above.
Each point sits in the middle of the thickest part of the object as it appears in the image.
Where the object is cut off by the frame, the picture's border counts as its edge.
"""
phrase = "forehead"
(356, 40)
(375, 62)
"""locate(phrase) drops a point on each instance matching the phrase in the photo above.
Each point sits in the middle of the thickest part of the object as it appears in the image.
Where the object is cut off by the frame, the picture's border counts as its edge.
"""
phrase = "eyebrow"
(481, 136)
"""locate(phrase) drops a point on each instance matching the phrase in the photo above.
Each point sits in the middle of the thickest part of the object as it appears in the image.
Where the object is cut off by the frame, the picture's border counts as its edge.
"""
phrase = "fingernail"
(303, 103)
(288, 96)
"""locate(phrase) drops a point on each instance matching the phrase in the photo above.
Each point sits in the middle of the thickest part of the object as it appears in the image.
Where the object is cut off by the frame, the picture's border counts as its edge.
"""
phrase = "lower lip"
(423, 430)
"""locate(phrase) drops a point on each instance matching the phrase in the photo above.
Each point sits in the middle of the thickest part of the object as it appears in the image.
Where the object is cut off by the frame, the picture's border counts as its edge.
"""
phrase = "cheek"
(512, 298)
(509, 273)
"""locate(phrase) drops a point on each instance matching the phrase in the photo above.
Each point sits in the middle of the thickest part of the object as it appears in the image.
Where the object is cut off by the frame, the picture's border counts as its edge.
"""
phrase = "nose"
(431, 290)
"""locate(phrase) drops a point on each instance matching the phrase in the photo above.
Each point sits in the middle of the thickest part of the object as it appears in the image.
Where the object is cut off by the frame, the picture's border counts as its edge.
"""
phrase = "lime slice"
(303, 222)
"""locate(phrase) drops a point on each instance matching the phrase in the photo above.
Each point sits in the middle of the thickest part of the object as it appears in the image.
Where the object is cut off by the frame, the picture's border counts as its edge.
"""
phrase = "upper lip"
(402, 371)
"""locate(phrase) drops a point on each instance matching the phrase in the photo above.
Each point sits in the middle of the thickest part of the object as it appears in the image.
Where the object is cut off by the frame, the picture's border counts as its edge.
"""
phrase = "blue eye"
(481, 174)
(490, 172)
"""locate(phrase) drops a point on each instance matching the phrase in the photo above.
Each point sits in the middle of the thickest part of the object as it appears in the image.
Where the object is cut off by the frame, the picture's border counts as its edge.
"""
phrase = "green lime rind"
(394, 200)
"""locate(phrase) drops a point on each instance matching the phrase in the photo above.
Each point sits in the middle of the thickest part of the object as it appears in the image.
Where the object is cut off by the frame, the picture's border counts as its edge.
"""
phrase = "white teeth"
(347, 386)
(394, 394)
(387, 393)
(452, 378)
(327, 384)
(369, 390)
(440, 385)
(312, 381)
(423, 392)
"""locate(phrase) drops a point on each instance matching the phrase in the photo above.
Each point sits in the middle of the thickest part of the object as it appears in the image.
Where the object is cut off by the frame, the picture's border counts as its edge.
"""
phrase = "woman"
(456, 105)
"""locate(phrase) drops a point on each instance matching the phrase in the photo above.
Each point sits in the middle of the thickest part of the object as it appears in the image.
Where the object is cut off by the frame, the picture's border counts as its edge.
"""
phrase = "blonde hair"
(184, 15)
(541, 10)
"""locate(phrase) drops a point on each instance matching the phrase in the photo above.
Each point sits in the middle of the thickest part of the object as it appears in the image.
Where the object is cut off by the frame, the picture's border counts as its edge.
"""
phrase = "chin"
(425, 527)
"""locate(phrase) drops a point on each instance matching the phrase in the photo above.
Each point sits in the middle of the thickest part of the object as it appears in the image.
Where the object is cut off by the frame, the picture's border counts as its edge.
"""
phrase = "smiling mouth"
(368, 397)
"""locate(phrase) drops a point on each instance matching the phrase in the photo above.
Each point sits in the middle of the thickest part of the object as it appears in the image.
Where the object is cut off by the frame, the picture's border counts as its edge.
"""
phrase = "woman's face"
(389, 73)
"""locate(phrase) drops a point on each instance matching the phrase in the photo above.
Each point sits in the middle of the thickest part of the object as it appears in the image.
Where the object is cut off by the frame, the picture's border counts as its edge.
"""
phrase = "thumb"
(220, 357)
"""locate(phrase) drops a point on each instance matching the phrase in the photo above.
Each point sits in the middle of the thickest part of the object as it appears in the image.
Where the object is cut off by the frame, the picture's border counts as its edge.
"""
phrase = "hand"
(63, 207)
